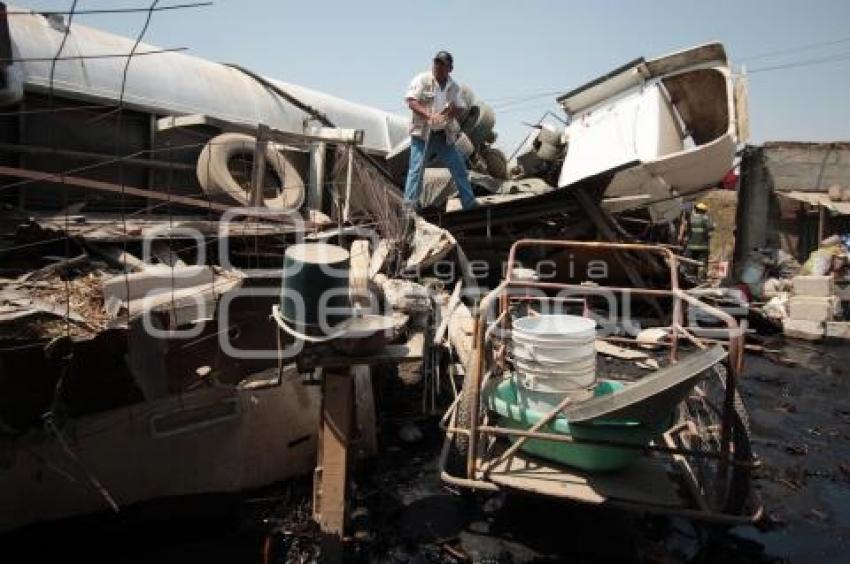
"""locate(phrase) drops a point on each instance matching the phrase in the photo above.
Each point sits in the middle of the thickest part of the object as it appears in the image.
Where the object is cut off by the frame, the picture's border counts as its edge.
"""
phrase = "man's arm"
(452, 111)
(419, 108)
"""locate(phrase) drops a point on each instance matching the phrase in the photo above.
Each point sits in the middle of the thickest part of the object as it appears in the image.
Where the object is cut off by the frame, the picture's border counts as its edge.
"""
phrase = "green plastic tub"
(594, 458)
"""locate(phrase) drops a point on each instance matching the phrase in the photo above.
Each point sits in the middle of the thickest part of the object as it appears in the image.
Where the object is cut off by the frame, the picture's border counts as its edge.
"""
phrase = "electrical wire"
(805, 63)
(108, 10)
(796, 49)
(89, 57)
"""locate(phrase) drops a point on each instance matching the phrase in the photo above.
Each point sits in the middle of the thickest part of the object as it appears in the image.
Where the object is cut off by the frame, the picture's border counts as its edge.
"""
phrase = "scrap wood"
(379, 257)
(460, 329)
(358, 274)
(652, 337)
(404, 295)
(52, 268)
(649, 364)
(79, 300)
(456, 553)
(608, 229)
(117, 257)
(608, 349)
(165, 255)
(446, 313)
(430, 244)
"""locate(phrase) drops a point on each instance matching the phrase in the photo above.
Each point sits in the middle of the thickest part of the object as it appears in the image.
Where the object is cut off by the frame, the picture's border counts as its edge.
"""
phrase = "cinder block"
(801, 329)
(838, 330)
(813, 309)
(815, 286)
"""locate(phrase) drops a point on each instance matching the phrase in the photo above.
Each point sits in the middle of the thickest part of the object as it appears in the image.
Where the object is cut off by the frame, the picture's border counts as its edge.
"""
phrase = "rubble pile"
(146, 352)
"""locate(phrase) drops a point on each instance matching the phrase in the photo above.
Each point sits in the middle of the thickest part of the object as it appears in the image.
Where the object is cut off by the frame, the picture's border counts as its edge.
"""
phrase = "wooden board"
(331, 476)
(326, 356)
(645, 482)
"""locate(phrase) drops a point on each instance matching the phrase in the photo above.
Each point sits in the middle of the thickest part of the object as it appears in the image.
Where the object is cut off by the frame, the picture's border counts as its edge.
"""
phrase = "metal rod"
(349, 175)
(554, 437)
(146, 163)
(523, 438)
(258, 172)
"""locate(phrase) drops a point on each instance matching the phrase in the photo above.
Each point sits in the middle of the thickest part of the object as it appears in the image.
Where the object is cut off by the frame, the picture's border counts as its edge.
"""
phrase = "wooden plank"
(454, 300)
(358, 274)
(326, 356)
(646, 481)
(336, 427)
(461, 326)
(367, 425)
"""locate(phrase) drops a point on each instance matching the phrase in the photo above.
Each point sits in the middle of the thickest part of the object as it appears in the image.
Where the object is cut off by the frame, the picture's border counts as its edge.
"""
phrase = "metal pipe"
(145, 163)
(507, 432)
(523, 438)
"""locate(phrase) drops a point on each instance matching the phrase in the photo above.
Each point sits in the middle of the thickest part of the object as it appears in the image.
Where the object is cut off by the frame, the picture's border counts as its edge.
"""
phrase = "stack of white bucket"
(554, 357)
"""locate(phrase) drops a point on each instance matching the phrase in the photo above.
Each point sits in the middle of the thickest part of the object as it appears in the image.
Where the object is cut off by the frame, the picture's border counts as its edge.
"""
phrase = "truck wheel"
(217, 179)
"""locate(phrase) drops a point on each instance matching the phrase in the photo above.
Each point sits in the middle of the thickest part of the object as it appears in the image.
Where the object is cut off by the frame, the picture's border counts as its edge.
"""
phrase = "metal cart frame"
(488, 359)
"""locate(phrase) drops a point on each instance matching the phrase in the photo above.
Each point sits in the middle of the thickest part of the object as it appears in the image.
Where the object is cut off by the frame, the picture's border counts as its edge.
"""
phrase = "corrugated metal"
(818, 199)
(176, 83)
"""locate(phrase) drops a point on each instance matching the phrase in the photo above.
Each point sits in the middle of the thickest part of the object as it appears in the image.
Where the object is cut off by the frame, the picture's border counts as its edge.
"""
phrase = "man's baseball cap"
(444, 57)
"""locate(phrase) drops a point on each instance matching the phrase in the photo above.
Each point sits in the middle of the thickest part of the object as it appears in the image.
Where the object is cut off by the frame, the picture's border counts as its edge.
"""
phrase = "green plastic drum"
(314, 293)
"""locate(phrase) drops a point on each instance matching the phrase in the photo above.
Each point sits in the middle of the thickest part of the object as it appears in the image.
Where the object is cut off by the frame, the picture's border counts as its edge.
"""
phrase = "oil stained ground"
(799, 403)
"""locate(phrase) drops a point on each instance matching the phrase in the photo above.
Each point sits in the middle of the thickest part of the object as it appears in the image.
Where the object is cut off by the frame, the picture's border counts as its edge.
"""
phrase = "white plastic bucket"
(555, 327)
(540, 382)
(578, 370)
(554, 353)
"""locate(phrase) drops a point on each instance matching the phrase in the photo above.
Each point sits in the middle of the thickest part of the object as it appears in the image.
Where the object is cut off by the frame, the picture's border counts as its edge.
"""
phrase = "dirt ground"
(800, 418)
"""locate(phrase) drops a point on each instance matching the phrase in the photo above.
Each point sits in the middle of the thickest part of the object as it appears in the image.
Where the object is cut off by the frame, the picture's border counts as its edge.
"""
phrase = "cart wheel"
(459, 446)
(705, 410)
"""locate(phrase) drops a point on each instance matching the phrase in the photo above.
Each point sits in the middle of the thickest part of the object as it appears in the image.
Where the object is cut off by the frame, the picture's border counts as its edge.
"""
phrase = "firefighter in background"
(699, 230)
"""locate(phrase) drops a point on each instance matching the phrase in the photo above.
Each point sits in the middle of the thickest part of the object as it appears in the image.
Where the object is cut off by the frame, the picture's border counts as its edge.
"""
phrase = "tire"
(496, 162)
(217, 180)
(480, 123)
(546, 151)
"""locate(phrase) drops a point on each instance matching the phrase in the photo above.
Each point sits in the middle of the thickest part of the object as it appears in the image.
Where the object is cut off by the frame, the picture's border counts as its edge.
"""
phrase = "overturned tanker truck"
(95, 411)
(60, 115)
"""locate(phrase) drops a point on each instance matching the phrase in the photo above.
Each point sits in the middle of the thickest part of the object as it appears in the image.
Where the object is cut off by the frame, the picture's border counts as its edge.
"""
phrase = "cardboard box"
(802, 329)
(806, 308)
(814, 286)
(838, 330)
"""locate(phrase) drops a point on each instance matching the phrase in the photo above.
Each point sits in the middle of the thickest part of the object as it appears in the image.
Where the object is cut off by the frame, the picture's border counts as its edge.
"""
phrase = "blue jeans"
(451, 157)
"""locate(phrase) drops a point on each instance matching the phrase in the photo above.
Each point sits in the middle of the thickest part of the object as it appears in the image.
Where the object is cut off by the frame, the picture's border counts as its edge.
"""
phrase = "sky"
(516, 54)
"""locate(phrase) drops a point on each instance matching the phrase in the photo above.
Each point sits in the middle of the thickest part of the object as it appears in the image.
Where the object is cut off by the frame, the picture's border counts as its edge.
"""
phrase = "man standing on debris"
(435, 100)
(700, 227)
